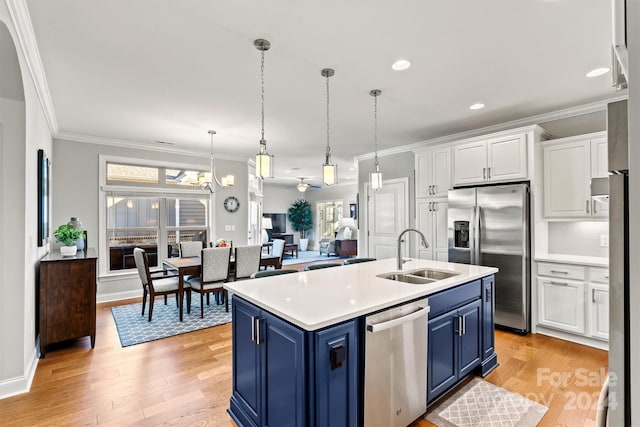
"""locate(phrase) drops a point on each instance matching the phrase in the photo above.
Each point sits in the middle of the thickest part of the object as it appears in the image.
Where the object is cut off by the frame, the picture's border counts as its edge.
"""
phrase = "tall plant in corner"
(301, 218)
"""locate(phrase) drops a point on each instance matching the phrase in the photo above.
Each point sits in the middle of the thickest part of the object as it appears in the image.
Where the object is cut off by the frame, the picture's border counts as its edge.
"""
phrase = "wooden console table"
(67, 297)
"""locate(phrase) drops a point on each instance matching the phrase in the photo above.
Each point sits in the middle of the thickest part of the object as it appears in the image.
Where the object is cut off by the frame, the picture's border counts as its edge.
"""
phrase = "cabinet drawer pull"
(606, 277)
(488, 173)
(459, 326)
(435, 189)
(587, 206)
(593, 206)
(559, 272)
(484, 173)
(431, 189)
(559, 283)
(253, 329)
(593, 295)
(464, 325)
(257, 331)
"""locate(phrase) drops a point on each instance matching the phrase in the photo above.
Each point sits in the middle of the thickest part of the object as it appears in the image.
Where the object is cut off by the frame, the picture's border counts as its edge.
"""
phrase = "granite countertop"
(319, 298)
(574, 259)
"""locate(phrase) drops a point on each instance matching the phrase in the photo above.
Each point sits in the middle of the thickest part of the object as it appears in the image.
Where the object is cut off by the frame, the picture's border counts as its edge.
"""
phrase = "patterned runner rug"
(482, 404)
(133, 328)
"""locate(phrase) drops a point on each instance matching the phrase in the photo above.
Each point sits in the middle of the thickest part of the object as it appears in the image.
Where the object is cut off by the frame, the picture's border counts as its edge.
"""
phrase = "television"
(279, 222)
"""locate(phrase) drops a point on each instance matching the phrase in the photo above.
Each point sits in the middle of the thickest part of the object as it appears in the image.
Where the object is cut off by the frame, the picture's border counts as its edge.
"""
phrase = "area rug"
(309, 256)
(480, 403)
(136, 329)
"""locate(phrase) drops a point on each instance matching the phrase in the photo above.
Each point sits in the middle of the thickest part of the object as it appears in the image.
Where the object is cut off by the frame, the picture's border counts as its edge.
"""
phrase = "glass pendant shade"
(329, 174)
(376, 180)
(264, 162)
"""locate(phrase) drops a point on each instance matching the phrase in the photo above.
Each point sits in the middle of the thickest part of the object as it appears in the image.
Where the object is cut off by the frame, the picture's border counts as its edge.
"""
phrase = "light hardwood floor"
(186, 380)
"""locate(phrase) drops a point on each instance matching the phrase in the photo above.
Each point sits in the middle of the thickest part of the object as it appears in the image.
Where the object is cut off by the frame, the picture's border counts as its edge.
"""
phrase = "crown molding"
(527, 121)
(149, 146)
(27, 44)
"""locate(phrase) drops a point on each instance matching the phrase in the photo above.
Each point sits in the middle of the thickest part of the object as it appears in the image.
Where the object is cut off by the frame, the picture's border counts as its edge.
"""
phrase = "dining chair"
(214, 272)
(247, 261)
(320, 266)
(190, 249)
(267, 273)
(357, 260)
(157, 283)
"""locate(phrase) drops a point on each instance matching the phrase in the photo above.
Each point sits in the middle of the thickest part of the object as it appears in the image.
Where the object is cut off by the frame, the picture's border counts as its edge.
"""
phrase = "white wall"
(76, 185)
(24, 130)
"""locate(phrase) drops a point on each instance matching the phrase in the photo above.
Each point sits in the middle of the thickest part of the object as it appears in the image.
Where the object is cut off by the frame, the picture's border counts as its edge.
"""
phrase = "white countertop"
(319, 298)
(590, 261)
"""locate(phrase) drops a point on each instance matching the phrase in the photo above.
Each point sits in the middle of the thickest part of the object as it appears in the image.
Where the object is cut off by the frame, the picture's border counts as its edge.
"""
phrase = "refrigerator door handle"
(472, 236)
(476, 234)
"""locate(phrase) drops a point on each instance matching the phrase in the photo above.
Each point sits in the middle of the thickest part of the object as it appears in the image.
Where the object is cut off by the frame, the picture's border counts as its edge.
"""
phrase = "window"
(150, 207)
(329, 216)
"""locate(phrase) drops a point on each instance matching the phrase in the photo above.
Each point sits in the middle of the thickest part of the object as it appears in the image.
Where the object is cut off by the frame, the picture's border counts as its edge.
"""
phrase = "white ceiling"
(150, 70)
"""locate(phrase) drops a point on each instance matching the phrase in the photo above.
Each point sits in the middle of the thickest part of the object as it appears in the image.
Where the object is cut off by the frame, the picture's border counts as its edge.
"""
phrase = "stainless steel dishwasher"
(395, 378)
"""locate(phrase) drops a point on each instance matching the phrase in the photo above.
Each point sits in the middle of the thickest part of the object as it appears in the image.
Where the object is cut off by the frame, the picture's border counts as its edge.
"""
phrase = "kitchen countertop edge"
(574, 259)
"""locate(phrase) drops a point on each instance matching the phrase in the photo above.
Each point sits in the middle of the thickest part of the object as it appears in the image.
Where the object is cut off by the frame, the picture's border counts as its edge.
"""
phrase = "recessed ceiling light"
(476, 106)
(401, 64)
(598, 72)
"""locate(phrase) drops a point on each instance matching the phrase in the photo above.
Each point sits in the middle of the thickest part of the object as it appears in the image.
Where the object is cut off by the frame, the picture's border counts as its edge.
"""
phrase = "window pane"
(187, 212)
(131, 222)
(182, 177)
(131, 173)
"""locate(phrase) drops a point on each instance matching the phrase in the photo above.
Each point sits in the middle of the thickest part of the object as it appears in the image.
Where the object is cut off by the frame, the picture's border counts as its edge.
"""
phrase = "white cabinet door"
(439, 238)
(599, 158)
(424, 223)
(561, 304)
(507, 158)
(567, 176)
(470, 163)
(433, 173)
(424, 172)
(598, 311)
(441, 171)
(431, 219)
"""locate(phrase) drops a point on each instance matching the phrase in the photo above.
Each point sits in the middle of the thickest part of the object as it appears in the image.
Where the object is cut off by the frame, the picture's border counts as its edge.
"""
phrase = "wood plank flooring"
(186, 380)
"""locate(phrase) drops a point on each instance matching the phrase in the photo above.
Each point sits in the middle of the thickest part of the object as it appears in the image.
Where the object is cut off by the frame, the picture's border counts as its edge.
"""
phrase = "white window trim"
(103, 159)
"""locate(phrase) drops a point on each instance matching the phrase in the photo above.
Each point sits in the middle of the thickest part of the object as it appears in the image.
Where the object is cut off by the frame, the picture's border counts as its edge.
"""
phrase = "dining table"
(192, 266)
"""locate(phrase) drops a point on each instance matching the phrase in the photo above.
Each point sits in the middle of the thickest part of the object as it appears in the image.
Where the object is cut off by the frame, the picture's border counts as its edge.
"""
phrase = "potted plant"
(67, 234)
(301, 217)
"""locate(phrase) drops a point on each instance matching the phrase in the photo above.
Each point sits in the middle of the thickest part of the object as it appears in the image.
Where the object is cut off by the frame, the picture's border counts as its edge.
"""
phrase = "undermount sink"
(420, 276)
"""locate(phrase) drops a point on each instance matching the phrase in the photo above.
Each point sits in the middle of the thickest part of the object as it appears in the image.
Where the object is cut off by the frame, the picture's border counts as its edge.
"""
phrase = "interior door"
(387, 216)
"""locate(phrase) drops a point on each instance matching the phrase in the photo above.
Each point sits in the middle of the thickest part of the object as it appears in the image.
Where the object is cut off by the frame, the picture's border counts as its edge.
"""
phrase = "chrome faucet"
(424, 243)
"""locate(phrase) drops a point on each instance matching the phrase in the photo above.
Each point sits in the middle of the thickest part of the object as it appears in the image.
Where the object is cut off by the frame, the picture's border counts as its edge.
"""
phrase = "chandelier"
(209, 180)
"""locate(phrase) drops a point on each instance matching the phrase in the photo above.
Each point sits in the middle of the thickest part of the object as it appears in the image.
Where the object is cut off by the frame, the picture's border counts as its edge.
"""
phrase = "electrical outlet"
(227, 228)
(233, 228)
(604, 241)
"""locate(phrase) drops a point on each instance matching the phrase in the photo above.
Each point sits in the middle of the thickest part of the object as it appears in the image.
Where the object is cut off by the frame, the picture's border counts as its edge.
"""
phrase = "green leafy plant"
(67, 235)
(301, 216)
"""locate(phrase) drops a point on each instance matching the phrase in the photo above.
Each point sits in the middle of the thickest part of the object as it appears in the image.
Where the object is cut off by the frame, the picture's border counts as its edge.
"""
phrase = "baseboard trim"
(21, 384)
(116, 296)
(591, 342)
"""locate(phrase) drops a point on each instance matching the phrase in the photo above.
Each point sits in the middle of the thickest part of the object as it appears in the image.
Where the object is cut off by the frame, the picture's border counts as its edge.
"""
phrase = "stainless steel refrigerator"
(490, 226)
(619, 311)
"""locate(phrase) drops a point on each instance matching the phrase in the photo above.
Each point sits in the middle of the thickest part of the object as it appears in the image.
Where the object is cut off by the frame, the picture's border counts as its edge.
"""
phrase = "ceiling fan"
(302, 186)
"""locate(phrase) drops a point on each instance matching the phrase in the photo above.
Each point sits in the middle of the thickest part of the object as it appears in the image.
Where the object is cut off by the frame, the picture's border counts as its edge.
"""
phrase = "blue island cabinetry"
(285, 376)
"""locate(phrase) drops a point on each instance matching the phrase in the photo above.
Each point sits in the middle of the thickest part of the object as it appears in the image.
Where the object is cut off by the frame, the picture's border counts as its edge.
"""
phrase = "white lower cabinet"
(431, 219)
(574, 298)
(561, 304)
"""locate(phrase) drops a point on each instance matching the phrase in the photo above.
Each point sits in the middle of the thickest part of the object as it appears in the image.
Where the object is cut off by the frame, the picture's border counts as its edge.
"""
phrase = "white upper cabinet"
(433, 173)
(569, 165)
(493, 160)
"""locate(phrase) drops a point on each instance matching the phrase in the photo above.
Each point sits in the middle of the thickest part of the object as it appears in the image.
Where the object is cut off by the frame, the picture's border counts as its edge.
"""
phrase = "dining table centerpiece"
(68, 235)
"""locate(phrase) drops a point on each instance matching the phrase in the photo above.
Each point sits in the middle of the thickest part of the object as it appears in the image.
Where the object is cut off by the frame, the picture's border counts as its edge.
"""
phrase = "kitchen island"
(298, 339)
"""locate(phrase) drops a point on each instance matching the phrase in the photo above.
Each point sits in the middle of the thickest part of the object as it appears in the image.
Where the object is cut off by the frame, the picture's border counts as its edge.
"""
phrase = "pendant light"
(329, 171)
(209, 180)
(264, 160)
(376, 175)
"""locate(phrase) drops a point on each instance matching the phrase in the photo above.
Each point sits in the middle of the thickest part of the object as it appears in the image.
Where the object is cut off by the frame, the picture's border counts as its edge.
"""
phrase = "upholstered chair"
(213, 274)
(190, 249)
(157, 283)
(247, 261)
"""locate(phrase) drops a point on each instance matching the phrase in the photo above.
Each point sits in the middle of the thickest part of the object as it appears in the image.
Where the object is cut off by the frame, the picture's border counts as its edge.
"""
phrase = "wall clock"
(231, 204)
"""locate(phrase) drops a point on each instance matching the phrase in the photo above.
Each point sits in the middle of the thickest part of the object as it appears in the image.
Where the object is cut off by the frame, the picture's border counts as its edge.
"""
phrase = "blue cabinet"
(285, 376)
(489, 357)
(461, 335)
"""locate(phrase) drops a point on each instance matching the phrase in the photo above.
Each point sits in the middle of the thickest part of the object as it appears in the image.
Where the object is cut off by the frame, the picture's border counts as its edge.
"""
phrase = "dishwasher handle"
(377, 327)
